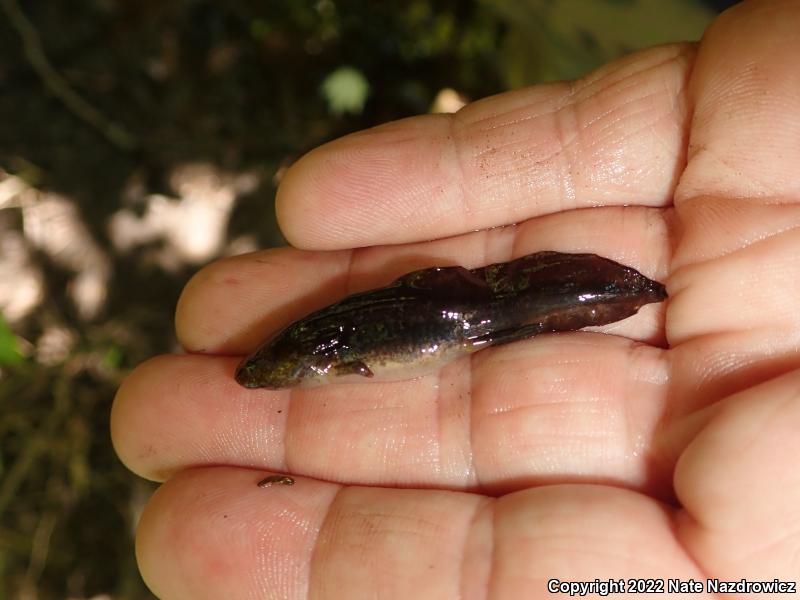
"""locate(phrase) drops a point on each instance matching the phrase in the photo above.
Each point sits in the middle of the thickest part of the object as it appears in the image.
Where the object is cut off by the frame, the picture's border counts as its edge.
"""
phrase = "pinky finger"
(214, 533)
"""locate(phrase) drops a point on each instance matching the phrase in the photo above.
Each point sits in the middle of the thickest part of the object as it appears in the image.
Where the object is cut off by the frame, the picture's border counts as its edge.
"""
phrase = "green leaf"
(346, 91)
(563, 40)
(113, 357)
(10, 353)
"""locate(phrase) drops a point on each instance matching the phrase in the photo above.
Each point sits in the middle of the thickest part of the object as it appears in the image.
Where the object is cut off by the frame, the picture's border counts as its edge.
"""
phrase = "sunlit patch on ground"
(189, 228)
(448, 100)
(53, 227)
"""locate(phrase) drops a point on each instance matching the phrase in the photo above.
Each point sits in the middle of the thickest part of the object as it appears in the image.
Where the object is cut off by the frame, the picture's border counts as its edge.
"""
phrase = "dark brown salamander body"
(429, 317)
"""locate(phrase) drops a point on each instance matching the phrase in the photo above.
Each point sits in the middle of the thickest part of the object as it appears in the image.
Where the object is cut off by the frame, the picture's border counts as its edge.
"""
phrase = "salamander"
(429, 317)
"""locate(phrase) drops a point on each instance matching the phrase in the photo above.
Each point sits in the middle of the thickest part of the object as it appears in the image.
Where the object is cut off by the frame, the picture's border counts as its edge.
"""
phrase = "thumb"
(740, 487)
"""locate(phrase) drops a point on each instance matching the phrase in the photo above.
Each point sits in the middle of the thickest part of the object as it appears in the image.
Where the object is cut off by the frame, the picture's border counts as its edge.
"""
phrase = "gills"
(429, 317)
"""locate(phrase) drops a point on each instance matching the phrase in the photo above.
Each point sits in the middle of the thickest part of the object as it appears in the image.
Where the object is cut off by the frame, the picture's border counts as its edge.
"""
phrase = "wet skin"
(429, 317)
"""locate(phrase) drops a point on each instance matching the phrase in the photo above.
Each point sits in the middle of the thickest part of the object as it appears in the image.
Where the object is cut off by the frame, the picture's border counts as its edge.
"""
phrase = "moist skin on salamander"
(429, 317)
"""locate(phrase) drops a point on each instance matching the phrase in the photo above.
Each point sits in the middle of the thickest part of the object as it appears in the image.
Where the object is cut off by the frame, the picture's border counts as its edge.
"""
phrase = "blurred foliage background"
(140, 140)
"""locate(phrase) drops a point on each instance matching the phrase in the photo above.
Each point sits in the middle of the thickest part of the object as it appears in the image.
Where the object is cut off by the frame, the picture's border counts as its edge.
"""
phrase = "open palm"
(665, 450)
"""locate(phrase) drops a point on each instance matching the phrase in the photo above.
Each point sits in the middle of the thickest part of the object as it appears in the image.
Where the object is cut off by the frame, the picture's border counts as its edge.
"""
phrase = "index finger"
(616, 137)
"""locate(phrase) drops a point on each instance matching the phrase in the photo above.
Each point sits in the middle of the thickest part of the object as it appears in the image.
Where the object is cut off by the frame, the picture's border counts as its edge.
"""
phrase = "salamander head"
(282, 362)
(257, 371)
(301, 356)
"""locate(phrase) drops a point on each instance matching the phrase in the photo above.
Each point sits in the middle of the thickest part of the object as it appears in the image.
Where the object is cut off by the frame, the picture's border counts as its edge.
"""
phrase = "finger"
(616, 137)
(740, 488)
(745, 90)
(732, 321)
(211, 533)
(234, 304)
(229, 306)
(578, 407)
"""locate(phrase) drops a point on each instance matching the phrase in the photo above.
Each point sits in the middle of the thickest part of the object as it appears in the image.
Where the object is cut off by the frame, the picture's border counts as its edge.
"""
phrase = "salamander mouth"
(250, 376)
(246, 374)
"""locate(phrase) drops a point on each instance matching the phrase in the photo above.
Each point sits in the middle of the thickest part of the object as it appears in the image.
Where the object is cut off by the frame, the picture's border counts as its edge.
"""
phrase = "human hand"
(571, 456)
